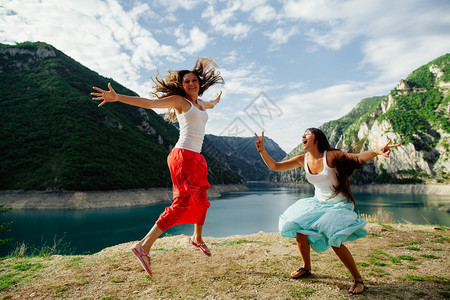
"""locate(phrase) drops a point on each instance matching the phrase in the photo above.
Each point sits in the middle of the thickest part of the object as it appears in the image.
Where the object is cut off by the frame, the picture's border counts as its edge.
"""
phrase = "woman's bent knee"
(301, 237)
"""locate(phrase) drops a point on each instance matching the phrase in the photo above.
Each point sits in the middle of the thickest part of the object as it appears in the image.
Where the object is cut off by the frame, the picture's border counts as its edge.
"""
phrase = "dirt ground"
(397, 261)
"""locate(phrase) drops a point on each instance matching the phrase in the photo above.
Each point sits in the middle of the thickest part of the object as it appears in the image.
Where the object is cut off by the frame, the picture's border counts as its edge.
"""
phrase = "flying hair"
(172, 84)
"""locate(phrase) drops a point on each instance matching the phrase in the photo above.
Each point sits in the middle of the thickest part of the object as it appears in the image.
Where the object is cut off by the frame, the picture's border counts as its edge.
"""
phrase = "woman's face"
(191, 84)
(308, 140)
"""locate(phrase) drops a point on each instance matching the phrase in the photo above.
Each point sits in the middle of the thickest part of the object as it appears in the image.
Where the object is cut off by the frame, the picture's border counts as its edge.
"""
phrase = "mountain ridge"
(416, 113)
(53, 137)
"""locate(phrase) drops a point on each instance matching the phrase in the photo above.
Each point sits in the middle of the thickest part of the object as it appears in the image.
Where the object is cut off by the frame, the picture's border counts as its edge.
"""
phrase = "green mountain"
(54, 137)
(336, 128)
(415, 113)
(240, 155)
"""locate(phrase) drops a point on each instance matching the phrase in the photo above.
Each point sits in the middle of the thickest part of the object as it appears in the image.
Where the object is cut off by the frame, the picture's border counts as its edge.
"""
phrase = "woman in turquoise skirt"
(327, 219)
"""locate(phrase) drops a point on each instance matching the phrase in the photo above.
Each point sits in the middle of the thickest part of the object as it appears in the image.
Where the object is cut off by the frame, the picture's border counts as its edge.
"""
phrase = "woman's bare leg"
(151, 237)
(198, 229)
(347, 259)
(305, 253)
(305, 250)
(148, 241)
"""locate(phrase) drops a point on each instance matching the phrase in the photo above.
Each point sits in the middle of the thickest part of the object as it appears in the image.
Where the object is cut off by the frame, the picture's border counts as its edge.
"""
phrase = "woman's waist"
(329, 196)
(190, 144)
(181, 148)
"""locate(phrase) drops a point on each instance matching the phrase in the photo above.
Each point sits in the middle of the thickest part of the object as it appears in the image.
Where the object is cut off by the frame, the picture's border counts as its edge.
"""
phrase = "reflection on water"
(407, 208)
(246, 212)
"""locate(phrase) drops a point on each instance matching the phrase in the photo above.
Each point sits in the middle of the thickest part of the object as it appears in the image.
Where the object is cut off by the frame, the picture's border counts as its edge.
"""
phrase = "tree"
(4, 228)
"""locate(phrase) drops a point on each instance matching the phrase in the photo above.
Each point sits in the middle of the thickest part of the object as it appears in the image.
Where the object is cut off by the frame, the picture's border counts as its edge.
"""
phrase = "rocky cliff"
(416, 113)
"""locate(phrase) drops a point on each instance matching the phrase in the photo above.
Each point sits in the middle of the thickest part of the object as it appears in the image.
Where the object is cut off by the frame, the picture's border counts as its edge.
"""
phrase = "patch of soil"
(397, 261)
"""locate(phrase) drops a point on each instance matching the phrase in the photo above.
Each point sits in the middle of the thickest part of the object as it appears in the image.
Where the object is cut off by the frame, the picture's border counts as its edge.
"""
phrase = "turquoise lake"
(235, 213)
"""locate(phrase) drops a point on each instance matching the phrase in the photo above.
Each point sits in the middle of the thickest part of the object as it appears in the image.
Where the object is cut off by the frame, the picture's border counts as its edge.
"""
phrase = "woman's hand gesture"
(217, 99)
(260, 143)
(386, 149)
(106, 96)
(211, 104)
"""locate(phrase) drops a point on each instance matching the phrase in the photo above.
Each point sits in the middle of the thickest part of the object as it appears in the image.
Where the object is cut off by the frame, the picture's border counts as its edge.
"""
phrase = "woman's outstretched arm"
(290, 164)
(212, 103)
(111, 96)
(360, 158)
(384, 151)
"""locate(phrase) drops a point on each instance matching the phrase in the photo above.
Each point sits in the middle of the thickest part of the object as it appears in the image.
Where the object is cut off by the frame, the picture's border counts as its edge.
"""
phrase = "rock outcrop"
(423, 155)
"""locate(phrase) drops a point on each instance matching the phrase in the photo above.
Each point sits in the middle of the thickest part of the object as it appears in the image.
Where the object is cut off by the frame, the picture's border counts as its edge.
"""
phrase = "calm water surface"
(246, 212)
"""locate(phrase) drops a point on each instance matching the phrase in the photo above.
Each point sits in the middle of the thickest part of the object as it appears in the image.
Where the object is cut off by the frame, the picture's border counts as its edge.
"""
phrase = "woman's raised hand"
(387, 149)
(217, 99)
(106, 96)
(260, 142)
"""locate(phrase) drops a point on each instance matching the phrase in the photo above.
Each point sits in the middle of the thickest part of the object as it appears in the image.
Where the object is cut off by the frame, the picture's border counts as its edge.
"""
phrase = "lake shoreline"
(429, 189)
(144, 197)
(99, 199)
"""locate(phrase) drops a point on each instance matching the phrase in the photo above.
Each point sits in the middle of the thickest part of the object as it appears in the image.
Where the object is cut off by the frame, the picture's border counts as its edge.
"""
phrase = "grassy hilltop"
(397, 261)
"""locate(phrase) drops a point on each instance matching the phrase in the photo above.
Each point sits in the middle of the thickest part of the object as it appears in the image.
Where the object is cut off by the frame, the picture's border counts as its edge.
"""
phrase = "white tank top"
(324, 181)
(192, 128)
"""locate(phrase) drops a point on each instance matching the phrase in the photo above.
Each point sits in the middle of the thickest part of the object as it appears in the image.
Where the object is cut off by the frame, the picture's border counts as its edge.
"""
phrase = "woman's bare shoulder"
(180, 103)
(299, 159)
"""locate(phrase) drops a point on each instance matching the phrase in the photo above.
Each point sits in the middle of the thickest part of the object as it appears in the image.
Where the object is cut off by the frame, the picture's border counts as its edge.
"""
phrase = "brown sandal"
(296, 275)
(355, 284)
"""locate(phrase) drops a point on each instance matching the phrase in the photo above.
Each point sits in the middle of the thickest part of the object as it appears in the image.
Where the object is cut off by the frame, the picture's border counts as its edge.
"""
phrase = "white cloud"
(193, 42)
(245, 81)
(250, 5)
(221, 21)
(304, 110)
(395, 60)
(231, 57)
(264, 13)
(406, 38)
(396, 36)
(310, 10)
(128, 40)
(101, 35)
(174, 5)
(199, 40)
(280, 36)
(182, 38)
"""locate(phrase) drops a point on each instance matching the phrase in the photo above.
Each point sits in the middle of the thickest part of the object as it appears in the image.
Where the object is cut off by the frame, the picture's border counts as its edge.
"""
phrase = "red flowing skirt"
(189, 173)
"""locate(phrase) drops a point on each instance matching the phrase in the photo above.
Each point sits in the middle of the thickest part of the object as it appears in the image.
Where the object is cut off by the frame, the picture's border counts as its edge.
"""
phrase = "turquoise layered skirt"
(326, 223)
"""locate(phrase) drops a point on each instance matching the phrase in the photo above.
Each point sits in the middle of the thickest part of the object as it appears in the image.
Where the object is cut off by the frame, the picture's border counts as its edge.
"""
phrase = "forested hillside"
(54, 137)
(240, 155)
(416, 113)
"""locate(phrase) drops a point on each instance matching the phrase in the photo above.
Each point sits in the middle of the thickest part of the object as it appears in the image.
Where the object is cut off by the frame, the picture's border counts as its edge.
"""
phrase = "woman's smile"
(191, 83)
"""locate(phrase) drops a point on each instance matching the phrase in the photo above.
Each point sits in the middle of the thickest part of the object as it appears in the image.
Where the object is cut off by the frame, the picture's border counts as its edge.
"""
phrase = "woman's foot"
(358, 287)
(300, 273)
(143, 257)
(201, 246)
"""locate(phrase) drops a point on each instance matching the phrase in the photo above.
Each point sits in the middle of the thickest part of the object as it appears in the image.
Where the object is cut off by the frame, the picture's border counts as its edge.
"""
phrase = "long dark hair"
(321, 139)
(172, 84)
(343, 166)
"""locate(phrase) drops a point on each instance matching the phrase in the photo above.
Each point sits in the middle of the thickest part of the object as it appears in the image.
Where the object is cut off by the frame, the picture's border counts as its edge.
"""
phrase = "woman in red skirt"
(179, 92)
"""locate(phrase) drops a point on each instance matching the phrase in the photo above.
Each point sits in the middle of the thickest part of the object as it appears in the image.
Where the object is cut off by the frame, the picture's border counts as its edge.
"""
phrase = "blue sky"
(288, 65)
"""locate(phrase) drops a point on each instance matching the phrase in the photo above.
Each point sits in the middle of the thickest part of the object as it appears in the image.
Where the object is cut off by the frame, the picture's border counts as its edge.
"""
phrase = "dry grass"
(380, 216)
(398, 261)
